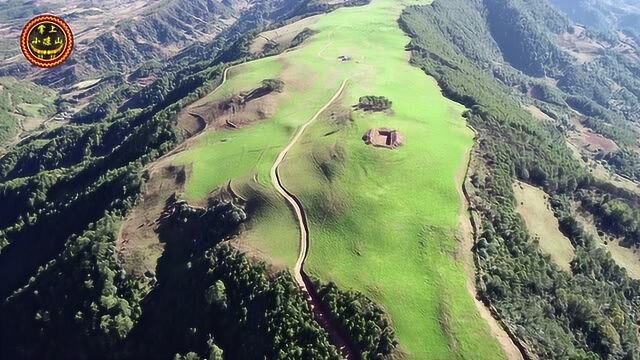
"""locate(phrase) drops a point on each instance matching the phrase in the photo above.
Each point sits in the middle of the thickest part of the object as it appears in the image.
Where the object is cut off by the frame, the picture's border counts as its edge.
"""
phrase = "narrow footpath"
(321, 314)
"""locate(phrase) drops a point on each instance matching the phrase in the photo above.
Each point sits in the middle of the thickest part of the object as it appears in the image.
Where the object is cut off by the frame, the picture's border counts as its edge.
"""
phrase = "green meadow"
(382, 221)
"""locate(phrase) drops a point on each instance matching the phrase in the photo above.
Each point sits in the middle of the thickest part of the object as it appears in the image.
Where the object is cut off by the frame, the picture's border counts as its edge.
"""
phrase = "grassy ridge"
(382, 222)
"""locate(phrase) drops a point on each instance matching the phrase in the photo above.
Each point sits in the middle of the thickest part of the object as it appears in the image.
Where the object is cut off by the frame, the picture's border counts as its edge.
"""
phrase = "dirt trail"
(181, 147)
(466, 247)
(320, 312)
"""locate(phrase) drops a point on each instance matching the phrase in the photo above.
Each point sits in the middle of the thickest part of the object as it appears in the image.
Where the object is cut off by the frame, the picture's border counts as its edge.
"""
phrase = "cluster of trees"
(588, 313)
(625, 162)
(617, 216)
(267, 86)
(218, 296)
(374, 103)
(586, 87)
(78, 303)
(364, 321)
(271, 85)
(71, 297)
(302, 36)
(547, 94)
(109, 93)
(534, 53)
(208, 225)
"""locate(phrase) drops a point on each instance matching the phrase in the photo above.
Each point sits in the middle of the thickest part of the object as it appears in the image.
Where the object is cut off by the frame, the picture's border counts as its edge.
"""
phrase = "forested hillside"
(80, 140)
(65, 294)
(118, 42)
(591, 312)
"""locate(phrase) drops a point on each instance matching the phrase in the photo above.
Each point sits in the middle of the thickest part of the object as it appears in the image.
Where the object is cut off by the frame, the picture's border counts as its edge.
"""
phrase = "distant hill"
(112, 36)
(121, 46)
(603, 15)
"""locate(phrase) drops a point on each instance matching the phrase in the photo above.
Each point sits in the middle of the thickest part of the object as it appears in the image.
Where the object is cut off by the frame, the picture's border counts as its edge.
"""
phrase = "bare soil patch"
(191, 124)
(596, 142)
(538, 114)
(232, 113)
(533, 206)
(585, 144)
(578, 45)
(383, 137)
(585, 139)
(138, 245)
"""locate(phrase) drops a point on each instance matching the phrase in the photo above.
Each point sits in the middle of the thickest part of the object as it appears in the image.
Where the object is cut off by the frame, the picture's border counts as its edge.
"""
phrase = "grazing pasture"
(381, 222)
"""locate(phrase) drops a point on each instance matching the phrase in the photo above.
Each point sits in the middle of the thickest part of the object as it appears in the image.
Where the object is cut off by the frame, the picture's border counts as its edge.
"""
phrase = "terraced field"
(381, 221)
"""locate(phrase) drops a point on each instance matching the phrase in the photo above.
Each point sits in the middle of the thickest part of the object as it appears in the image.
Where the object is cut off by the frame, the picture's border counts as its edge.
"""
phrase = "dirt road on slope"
(321, 314)
(467, 232)
(163, 160)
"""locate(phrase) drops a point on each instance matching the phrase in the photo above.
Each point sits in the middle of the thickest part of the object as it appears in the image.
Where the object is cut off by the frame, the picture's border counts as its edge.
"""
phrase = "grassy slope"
(541, 222)
(22, 99)
(382, 222)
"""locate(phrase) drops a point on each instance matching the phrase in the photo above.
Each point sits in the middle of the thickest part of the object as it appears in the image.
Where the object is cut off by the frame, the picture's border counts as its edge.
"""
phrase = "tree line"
(591, 312)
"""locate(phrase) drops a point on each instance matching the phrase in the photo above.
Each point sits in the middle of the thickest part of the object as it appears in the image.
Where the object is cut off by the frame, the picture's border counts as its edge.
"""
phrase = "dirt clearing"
(138, 245)
(587, 140)
(533, 206)
(538, 114)
(578, 45)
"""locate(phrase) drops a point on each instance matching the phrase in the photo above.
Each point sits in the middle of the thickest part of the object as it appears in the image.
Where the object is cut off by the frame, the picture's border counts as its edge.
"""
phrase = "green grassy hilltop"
(382, 221)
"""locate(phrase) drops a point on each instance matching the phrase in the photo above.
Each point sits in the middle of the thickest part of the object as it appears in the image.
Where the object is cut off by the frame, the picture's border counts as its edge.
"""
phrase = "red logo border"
(24, 39)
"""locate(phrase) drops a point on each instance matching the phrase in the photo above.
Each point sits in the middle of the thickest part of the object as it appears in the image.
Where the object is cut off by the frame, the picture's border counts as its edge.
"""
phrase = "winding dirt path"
(321, 314)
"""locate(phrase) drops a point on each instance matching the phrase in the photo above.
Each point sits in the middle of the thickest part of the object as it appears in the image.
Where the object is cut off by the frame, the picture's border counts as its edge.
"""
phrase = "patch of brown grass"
(584, 138)
(579, 45)
(628, 258)
(533, 206)
(138, 245)
(538, 114)
(226, 114)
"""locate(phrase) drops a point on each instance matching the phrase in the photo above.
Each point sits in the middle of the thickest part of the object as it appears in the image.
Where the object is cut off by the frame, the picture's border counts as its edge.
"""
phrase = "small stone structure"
(383, 137)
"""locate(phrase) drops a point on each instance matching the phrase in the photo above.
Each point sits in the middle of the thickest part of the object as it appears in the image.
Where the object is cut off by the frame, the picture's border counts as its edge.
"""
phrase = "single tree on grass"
(374, 103)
